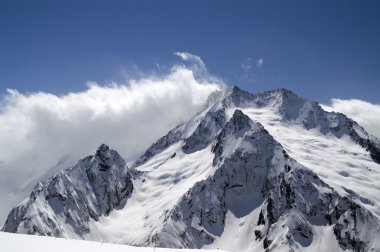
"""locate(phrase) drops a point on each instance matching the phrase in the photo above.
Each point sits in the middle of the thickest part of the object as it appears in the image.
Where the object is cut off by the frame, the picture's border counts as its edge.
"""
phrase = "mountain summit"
(251, 172)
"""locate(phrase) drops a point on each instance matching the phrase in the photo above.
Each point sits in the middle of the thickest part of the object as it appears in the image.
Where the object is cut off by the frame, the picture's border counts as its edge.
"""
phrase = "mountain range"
(266, 171)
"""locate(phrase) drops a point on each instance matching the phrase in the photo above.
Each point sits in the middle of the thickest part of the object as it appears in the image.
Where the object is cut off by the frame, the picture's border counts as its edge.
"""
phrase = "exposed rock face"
(95, 186)
(205, 132)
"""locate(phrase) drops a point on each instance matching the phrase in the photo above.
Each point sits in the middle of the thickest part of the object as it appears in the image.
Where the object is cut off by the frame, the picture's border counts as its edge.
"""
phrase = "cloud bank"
(364, 113)
(37, 129)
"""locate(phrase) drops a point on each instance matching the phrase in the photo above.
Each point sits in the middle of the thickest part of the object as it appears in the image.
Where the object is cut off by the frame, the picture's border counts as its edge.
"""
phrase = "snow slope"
(24, 243)
(163, 180)
(340, 162)
(251, 172)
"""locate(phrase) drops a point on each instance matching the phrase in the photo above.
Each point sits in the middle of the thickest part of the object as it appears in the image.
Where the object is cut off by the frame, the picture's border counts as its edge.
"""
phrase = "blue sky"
(319, 49)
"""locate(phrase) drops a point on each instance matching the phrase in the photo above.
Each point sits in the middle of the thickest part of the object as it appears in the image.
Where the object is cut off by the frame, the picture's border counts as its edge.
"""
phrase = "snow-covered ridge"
(292, 109)
(296, 110)
(250, 172)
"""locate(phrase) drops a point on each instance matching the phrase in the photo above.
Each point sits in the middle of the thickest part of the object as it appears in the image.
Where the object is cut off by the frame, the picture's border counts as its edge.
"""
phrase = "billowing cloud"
(197, 65)
(37, 129)
(365, 113)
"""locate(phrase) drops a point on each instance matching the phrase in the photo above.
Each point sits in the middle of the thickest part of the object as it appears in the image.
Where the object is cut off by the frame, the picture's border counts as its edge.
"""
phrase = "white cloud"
(37, 129)
(191, 58)
(364, 113)
(260, 62)
(197, 65)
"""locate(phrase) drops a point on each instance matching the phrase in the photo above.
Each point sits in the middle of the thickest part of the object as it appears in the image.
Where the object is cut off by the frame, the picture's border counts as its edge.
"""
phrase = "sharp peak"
(101, 150)
(240, 116)
(238, 113)
(234, 94)
(103, 147)
(228, 93)
(240, 119)
(235, 90)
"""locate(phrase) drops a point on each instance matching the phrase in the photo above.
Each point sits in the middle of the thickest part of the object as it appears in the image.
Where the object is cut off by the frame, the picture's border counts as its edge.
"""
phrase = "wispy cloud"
(365, 113)
(37, 129)
(191, 58)
(260, 62)
(251, 69)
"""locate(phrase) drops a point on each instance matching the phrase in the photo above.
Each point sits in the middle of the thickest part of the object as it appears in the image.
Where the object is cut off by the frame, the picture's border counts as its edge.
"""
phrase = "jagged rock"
(68, 201)
(205, 131)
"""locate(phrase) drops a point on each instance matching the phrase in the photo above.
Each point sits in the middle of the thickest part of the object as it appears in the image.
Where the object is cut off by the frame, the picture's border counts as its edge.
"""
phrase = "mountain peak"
(238, 113)
(287, 97)
(239, 120)
(101, 150)
(104, 156)
(236, 88)
(103, 147)
(236, 97)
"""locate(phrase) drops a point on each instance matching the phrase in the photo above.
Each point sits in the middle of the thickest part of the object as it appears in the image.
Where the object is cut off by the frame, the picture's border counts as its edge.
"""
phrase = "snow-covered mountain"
(251, 172)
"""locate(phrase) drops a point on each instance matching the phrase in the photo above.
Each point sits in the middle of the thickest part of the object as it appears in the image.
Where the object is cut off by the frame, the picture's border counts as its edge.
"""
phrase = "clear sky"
(319, 49)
